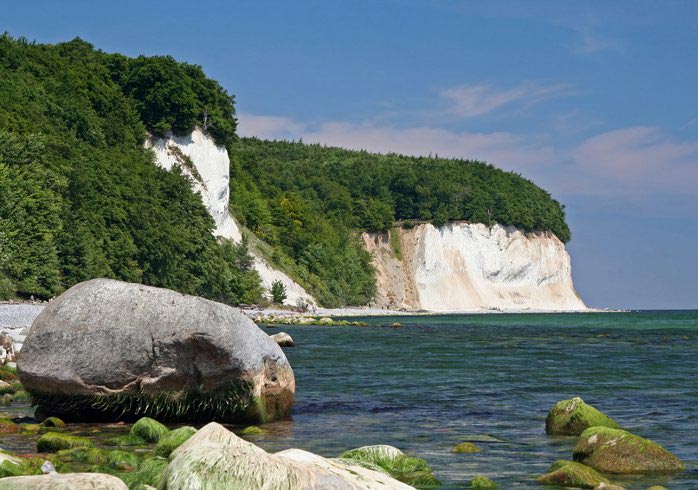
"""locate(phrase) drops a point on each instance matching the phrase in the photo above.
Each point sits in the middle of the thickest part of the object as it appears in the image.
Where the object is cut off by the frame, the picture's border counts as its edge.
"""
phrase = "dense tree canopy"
(80, 196)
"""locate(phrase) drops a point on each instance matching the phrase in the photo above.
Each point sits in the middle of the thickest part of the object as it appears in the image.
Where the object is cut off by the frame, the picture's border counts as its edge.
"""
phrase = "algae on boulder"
(140, 350)
(125, 441)
(483, 482)
(571, 474)
(619, 451)
(407, 469)
(53, 422)
(573, 416)
(148, 429)
(52, 442)
(172, 440)
(216, 458)
(149, 473)
(466, 447)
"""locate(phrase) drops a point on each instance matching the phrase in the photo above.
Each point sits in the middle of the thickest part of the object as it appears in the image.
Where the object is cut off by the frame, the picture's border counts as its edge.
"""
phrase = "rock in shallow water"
(619, 451)
(216, 458)
(106, 348)
(283, 339)
(570, 474)
(571, 417)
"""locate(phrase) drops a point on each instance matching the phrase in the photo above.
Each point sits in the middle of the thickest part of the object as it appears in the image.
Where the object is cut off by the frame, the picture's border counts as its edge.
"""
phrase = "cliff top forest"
(80, 196)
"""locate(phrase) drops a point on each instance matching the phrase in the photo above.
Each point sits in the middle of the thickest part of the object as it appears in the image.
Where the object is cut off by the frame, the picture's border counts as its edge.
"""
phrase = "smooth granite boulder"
(214, 457)
(573, 416)
(618, 451)
(107, 350)
(68, 481)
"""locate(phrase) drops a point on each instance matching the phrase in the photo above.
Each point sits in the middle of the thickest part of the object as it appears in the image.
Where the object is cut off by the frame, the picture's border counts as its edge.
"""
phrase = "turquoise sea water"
(491, 379)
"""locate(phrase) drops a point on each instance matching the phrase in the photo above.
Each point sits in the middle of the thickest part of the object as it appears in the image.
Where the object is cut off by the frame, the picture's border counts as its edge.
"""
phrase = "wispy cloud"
(477, 100)
(590, 42)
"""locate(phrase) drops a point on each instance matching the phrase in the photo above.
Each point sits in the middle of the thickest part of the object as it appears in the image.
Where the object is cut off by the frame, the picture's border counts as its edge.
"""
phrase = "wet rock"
(172, 440)
(483, 482)
(216, 458)
(125, 441)
(148, 429)
(283, 339)
(53, 422)
(179, 357)
(52, 442)
(571, 474)
(122, 460)
(466, 447)
(608, 486)
(148, 474)
(573, 416)
(407, 469)
(69, 481)
(252, 430)
(619, 451)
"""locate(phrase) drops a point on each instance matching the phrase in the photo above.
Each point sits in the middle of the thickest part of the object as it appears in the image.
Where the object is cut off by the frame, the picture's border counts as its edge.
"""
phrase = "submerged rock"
(619, 451)
(107, 349)
(68, 481)
(283, 339)
(466, 447)
(573, 416)
(571, 474)
(407, 469)
(172, 440)
(483, 482)
(216, 458)
(148, 429)
(52, 442)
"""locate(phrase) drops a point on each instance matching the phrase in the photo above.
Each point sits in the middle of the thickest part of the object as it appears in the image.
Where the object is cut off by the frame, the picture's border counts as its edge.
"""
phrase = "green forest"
(80, 196)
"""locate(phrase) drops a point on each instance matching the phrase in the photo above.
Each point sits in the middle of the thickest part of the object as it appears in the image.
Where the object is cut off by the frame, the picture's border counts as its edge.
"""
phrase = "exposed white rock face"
(208, 165)
(465, 267)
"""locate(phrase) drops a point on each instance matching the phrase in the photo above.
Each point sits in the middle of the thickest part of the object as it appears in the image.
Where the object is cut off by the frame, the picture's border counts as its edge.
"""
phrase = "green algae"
(52, 442)
(53, 422)
(466, 447)
(407, 469)
(573, 416)
(88, 455)
(122, 460)
(571, 474)
(252, 430)
(149, 472)
(618, 451)
(483, 482)
(172, 440)
(125, 441)
(149, 429)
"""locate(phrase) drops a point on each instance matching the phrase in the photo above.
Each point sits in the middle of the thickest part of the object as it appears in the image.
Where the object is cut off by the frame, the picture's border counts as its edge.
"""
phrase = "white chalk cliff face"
(462, 267)
(208, 165)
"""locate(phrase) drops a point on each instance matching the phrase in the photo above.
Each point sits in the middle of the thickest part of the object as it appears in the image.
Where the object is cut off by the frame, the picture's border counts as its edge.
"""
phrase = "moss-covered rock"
(149, 473)
(20, 396)
(11, 465)
(657, 487)
(252, 430)
(123, 460)
(29, 428)
(571, 474)
(7, 426)
(172, 440)
(149, 429)
(125, 441)
(407, 469)
(466, 447)
(619, 451)
(53, 422)
(608, 486)
(483, 482)
(573, 416)
(52, 442)
(89, 455)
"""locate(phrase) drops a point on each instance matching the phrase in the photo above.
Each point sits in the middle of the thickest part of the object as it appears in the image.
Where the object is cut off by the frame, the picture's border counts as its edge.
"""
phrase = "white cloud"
(591, 43)
(478, 100)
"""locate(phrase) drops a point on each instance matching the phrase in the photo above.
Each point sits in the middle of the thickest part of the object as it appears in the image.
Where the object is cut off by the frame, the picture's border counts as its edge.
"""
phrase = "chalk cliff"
(208, 165)
(463, 266)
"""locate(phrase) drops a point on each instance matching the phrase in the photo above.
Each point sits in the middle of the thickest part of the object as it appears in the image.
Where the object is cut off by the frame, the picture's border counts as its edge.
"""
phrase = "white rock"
(466, 267)
(283, 339)
(67, 481)
(210, 175)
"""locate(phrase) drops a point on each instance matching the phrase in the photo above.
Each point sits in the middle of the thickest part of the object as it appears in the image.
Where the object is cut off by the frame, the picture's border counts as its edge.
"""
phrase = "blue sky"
(595, 101)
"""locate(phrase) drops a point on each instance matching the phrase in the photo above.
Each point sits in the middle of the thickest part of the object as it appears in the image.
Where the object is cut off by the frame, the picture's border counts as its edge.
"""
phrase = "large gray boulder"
(69, 481)
(107, 349)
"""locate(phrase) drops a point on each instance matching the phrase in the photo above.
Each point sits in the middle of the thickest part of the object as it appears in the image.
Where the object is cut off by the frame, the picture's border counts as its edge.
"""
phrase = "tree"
(278, 292)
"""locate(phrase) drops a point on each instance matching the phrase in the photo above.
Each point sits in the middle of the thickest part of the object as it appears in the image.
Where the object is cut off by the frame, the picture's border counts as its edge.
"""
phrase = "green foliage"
(307, 201)
(278, 292)
(79, 194)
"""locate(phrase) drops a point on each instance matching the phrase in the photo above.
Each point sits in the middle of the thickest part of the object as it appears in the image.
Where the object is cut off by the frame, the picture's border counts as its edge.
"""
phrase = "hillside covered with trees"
(80, 196)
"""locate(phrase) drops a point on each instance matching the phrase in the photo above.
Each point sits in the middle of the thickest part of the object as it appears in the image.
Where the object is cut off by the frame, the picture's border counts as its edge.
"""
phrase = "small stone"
(283, 339)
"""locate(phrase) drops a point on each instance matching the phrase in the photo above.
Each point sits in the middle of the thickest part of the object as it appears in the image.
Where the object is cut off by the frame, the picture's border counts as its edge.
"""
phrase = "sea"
(437, 381)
